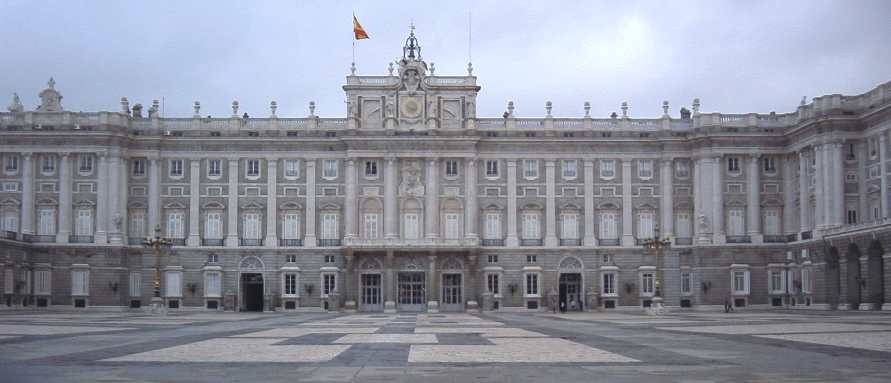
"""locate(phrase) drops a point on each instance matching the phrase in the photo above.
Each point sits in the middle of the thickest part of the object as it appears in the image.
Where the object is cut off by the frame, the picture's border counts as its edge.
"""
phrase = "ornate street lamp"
(157, 243)
(659, 244)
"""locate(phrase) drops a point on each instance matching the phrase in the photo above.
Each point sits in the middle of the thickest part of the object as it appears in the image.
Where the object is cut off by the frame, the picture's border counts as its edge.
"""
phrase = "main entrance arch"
(251, 284)
(571, 286)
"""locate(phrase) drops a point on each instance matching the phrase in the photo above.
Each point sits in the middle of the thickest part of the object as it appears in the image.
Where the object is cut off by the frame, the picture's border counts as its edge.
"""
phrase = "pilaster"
(232, 208)
(550, 239)
(65, 194)
(309, 239)
(391, 208)
(27, 193)
(154, 199)
(271, 202)
(667, 192)
(589, 238)
(113, 217)
(431, 200)
(351, 203)
(471, 211)
(627, 208)
(101, 234)
(511, 238)
(753, 205)
(803, 192)
(718, 200)
(194, 238)
(883, 169)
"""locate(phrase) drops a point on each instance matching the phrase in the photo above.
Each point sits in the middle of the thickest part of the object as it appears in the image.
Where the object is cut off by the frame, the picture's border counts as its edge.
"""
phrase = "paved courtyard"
(506, 347)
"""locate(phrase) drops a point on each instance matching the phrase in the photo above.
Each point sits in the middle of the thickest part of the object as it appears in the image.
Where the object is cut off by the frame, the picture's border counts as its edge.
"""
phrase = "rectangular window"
(138, 168)
(251, 226)
(176, 168)
(10, 221)
(214, 168)
(291, 226)
(174, 285)
(645, 169)
(531, 226)
(772, 222)
(530, 169)
(570, 169)
(740, 282)
(645, 225)
(292, 168)
(213, 287)
(493, 226)
(683, 227)
(329, 169)
(329, 284)
(175, 225)
(770, 165)
(371, 226)
(647, 284)
(410, 226)
(12, 163)
(531, 284)
(253, 168)
(609, 283)
(608, 225)
(42, 280)
(777, 283)
(451, 226)
(329, 226)
(607, 168)
(84, 224)
(80, 282)
(492, 258)
(491, 168)
(48, 164)
(371, 169)
(137, 224)
(85, 163)
(737, 223)
(46, 222)
(852, 216)
(213, 226)
(686, 283)
(493, 285)
(806, 281)
(290, 282)
(682, 169)
(570, 226)
(733, 164)
(531, 259)
(135, 284)
(451, 168)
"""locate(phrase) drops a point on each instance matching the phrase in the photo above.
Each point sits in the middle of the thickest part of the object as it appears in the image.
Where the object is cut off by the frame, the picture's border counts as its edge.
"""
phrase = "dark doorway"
(570, 292)
(853, 277)
(833, 282)
(252, 291)
(875, 275)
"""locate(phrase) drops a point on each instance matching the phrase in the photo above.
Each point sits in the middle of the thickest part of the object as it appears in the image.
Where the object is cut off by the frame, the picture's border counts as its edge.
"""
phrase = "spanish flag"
(357, 29)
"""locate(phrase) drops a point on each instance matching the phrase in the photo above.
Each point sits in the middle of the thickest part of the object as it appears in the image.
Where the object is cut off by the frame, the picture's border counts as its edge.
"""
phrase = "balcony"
(492, 242)
(135, 241)
(777, 238)
(739, 239)
(80, 239)
(608, 242)
(791, 237)
(177, 241)
(211, 242)
(570, 242)
(250, 242)
(39, 238)
(290, 242)
(805, 235)
(329, 242)
(6, 234)
(530, 242)
(683, 241)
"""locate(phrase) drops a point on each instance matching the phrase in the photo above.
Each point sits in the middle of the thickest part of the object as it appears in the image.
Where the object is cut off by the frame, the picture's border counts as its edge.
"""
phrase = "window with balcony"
(852, 216)
(683, 225)
(251, 226)
(11, 163)
(569, 226)
(370, 226)
(47, 164)
(10, 221)
(607, 169)
(608, 225)
(83, 225)
(137, 224)
(410, 228)
(451, 167)
(772, 224)
(175, 228)
(531, 228)
(213, 225)
(452, 225)
(46, 221)
(570, 169)
(291, 226)
(329, 226)
(645, 221)
(736, 224)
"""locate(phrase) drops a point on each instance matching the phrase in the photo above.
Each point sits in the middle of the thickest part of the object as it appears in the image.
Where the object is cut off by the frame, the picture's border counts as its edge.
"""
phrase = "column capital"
(272, 163)
(64, 155)
(627, 161)
(350, 161)
(310, 163)
(391, 159)
(589, 163)
(550, 163)
(755, 156)
(511, 163)
(27, 155)
(471, 161)
(432, 161)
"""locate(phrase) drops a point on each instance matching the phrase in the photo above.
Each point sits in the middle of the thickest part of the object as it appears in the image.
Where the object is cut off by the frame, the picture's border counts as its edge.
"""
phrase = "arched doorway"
(853, 276)
(251, 286)
(452, 285)
(370, 285)
(833, 283)
(875, 275)
(570, 285)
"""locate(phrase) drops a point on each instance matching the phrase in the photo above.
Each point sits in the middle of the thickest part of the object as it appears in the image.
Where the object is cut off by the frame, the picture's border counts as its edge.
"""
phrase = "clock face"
(410, 107)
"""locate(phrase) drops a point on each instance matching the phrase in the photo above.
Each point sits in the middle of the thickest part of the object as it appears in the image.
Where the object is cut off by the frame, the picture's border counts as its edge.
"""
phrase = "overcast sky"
(740, 56)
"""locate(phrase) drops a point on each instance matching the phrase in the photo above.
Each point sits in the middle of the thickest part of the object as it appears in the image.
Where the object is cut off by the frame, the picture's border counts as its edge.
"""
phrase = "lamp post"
(659, 244)
(157, 243)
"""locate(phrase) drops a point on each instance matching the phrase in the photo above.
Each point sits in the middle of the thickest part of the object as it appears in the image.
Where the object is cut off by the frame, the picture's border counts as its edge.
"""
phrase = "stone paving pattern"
(504, 347)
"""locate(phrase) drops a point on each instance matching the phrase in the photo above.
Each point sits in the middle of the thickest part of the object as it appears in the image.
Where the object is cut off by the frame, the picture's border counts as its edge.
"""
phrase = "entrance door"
(452, 296)
(370, 285)
(411, 287)
(570, 291)
(252, 292)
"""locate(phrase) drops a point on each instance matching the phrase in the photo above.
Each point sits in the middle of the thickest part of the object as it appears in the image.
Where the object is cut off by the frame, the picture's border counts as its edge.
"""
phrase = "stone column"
(589, 238)
(27, 193)
(390, 283)
(667, 192)
(431, 200)
(863, 202)
(122, 201)
(113, 213)
(154, 199)
(309, 239)
(820, 187)
(718, 200)
(432, 285)
(803, 192)
(550, 238)
(194, 201)
(511, 239)
(838, 183)
(883, 169)
(627, 218)
(788, 196)
(698, 195)
(351, 202)
(232, 208)
(271, 202)
(391, 204)
(65, 194)
(471, 211)
(101, 236)
(753, 204)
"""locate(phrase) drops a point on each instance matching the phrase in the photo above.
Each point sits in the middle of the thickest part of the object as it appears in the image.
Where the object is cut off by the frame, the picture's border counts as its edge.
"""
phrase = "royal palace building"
(414, 203)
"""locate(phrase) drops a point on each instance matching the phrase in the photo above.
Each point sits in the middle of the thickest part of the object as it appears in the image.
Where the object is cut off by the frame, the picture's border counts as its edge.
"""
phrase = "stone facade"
(413, 202)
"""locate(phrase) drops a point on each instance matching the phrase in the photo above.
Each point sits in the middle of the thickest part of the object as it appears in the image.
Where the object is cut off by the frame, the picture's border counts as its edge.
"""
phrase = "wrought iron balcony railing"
(683, 241)
(329, 242)
(290, 242)
(211, 242)
(6, 234)
(80, 238)
(530, 242)
(251, 242)
(177, 241)
(739, 239)
(492, 242)
(570, 242)
(608, 242)
(775, 238)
